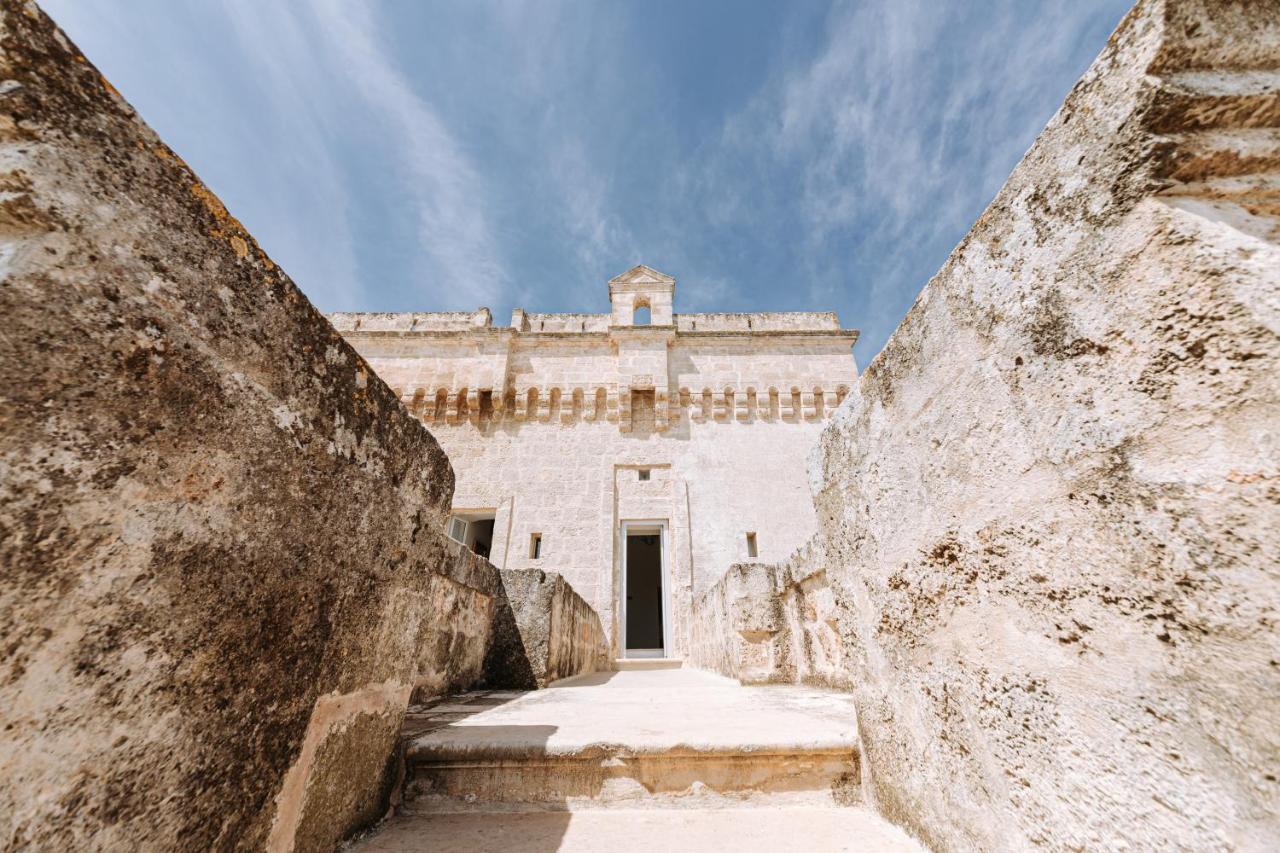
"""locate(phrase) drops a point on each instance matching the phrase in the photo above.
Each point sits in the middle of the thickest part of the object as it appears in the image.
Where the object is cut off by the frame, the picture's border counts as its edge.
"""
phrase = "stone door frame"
(639, 526)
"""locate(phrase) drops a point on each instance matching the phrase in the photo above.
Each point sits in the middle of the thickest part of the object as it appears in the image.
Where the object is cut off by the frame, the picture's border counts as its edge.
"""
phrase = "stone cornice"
(497, 333)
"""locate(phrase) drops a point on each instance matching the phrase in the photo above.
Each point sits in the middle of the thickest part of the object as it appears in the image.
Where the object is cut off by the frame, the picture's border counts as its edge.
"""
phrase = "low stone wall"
(543, 631)
(222, 560)
(771, 623)
(457, 631)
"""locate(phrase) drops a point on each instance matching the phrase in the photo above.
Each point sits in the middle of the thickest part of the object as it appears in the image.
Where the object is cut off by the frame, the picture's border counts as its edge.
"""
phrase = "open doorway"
(644, 613)
(473, 529)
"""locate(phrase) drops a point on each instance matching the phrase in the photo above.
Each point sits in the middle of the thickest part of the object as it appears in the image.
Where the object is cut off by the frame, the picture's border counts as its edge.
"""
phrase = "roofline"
(498, 331)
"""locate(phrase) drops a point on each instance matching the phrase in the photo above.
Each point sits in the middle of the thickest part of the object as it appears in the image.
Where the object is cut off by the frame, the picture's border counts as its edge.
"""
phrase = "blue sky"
(417, 155)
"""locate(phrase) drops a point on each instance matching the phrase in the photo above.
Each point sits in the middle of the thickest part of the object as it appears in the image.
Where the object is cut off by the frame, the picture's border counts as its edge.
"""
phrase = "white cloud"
(449, 192)
(897, 131)
(312, 223)
(553, 134)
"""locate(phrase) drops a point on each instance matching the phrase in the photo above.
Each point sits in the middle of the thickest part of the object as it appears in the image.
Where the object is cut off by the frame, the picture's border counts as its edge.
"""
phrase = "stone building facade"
(639, 456)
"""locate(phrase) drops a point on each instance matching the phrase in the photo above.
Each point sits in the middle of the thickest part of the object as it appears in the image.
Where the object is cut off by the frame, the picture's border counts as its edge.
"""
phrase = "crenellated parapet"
(457, 368)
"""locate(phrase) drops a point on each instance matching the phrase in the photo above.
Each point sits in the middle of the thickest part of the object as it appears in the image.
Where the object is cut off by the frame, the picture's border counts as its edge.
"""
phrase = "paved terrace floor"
(630, 717)
(649, 710)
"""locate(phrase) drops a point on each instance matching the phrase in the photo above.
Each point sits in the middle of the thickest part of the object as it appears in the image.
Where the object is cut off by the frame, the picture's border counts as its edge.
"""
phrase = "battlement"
(373, 322)
(458, 368)
(481, 321)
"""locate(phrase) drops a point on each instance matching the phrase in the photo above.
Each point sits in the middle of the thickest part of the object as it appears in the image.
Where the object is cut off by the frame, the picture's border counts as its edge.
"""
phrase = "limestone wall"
(737, 626)
(555, 460)
(1052, 511)
(220, 535)
(574, 485)
(771, 623)
(543, 632)
(464, 599)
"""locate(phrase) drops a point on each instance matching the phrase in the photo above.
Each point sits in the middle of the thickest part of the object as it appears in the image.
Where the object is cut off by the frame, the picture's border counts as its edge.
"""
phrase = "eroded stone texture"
(1053, 515)
(543, 631)
(219, 532)
(456, 626)
(765, 623)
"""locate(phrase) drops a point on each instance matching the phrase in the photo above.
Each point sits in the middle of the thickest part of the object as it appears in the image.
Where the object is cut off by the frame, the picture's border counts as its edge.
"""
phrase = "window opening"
(641, 316)
(644, 474)
(535, 546)
(751, 545)
(458, 530)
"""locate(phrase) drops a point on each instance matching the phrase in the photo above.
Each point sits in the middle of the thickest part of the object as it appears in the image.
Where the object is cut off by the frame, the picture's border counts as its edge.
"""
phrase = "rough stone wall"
(219, 532)
(771, 623)
(543, 631)
(454, 636)
(1053, 516)
(736, 624)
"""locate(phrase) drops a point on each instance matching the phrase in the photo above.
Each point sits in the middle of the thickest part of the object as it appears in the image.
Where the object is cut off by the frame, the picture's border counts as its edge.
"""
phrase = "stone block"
(1052, 517)
(220, 533)
(543, 631)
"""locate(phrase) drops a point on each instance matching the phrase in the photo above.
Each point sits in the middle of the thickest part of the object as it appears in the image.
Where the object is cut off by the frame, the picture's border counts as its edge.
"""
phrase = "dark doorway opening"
(644, 592)
(473, 529)
(482, 537)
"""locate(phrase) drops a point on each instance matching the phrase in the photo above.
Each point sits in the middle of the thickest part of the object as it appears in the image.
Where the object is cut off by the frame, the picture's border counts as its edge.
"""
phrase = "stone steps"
(604, 776)
(1217, 100)
(1224, 130)
(641, 664)
(1213, 154)
(650, 757)
(643, 737)
(646, 831)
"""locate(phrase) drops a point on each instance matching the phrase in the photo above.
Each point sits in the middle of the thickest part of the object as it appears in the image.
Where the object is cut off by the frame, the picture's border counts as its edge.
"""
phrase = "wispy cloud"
(895, 135)
(300, 83)
(448, 191)
(598, 234)
(313, 231)
(434, 155)
(264, 89)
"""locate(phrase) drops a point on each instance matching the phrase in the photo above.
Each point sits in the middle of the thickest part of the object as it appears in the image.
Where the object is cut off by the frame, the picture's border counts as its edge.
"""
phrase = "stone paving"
(813, 830)
(653, 758)
(436, 714)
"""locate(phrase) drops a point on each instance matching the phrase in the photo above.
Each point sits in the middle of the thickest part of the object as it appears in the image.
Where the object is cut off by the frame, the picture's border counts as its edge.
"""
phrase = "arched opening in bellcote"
(640, 312)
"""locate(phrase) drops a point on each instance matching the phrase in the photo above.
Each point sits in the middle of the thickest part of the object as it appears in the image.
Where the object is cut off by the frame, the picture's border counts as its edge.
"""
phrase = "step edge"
(598, 752)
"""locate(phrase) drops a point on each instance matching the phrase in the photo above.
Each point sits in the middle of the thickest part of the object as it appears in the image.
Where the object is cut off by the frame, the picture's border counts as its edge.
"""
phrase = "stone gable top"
(642, 278)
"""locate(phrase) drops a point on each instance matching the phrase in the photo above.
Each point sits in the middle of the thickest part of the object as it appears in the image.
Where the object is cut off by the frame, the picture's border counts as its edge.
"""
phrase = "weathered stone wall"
(543, 631)
(736, 624)
(1053, 515)
(454, 637)
(771, 623)
(219, 533)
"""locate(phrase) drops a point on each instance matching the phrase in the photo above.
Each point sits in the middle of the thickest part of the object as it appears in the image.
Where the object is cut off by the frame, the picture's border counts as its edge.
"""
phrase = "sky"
(413, 155)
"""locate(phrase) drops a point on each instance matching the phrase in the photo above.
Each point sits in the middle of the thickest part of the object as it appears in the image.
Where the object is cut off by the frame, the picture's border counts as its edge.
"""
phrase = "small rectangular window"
(458, 530)
(535, 546)
(751, 546)
(644, 474)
